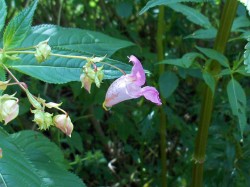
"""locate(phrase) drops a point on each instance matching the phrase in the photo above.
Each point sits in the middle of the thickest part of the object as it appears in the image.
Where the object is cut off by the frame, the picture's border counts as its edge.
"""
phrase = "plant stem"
(226, 21)
(16, 80)
(119, 69)
(163, 120)
(19, 52)
(69, 56)
(65, 56)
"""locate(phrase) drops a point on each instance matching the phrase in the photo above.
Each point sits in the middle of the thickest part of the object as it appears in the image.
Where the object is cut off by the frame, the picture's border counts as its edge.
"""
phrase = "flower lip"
(137, 71)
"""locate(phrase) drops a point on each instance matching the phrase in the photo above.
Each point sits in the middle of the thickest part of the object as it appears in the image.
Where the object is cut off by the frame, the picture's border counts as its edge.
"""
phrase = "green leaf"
(3, 13)
(68, 41)
(191, 14)
(215, 55)
(209, 33)
(29, 158)
(225, 72)
(168, 82)
(237, 100)
(209, 80)
(240, 22)
(18, 27)
(242, 70)
(185, 62)
(247, 56)
(62, 70)
(153, 3)
(81, 40)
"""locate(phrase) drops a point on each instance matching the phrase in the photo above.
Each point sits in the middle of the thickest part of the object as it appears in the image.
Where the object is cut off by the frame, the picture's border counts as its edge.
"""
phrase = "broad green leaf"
(237, 100)
(81, 40)
(209, 33)
(209, 80)
(225, 72)
(3, 13)
(153, 3)
(240, 22)
(18, 27)
(215, 55)
(185, 62)
(168, 82)
(68, 41)
(62, 70)
(42, 145)
(191, 14)
(30, 159)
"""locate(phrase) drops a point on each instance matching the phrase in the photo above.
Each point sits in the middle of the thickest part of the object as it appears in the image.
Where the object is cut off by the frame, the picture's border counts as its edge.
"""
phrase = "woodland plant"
(59, 55)
(14, 51)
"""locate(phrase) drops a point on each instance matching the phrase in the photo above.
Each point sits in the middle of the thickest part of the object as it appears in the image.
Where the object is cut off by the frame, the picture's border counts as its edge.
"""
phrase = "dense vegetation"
(198, 70)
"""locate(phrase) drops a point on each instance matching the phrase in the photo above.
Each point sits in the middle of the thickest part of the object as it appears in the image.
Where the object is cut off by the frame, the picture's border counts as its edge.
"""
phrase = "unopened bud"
(99, 77)
(42, 119)
(53, 105)
(9, 108)
(63, 122)
(86, 81)
(87, 77)
(90, 75)
(4, 84)
(43, 51)
(1, 153)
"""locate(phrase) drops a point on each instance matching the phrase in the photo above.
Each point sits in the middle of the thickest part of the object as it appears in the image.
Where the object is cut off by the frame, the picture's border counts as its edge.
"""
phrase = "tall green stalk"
(163, 120)
(226, 21)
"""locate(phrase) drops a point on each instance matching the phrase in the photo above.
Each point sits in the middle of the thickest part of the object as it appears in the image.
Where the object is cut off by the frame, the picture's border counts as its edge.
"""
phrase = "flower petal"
(151, 94)
(120, 90)
(137, 71)
(129, 87)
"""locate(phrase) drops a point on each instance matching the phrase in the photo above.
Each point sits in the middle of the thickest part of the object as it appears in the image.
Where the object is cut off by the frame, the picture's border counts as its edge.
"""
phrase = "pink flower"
(129, 87)
(63, 122)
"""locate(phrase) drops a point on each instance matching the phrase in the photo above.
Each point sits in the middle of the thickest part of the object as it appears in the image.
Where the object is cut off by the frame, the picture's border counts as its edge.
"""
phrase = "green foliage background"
(129, 133)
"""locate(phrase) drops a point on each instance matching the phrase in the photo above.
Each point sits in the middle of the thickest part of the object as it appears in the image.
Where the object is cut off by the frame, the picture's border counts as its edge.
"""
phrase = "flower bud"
(9, 108)
(87, 77)
(63, 122)
(1, 153)
(99, 77)
(4, 84)
(53, 105)
(91, 75)
(42, 119)
(43, 51)
(86, 82)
